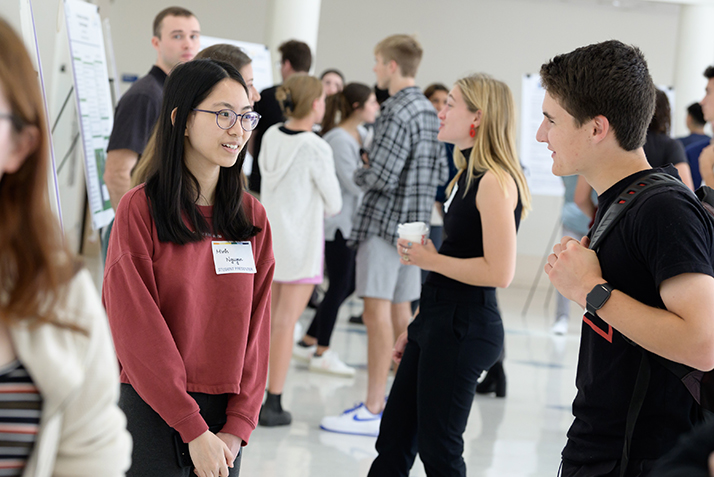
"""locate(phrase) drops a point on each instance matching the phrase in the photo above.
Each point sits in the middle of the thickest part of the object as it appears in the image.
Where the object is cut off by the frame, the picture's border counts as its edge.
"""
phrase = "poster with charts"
(535, 155)
(94, 105)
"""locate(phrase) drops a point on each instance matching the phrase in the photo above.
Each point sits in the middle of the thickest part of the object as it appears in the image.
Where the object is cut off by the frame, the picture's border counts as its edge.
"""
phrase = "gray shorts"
(380, 275)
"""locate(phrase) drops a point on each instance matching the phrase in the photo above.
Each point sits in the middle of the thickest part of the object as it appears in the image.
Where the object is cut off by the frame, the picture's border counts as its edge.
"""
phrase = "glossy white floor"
(521, 435)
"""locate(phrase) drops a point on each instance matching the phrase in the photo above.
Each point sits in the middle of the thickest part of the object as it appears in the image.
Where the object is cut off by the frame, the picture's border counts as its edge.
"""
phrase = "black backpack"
(699, 383)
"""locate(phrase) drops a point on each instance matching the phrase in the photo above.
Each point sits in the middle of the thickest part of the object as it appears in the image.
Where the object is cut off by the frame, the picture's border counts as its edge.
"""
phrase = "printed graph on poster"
(94, 104)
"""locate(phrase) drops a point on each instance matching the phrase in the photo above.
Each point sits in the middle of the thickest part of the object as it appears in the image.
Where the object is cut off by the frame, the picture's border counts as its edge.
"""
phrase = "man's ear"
(600, 127)
(155, 43)
(393, 66)
(25, 143)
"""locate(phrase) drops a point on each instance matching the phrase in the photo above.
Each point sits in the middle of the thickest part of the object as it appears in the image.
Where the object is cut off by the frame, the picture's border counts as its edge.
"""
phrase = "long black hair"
(171, 189)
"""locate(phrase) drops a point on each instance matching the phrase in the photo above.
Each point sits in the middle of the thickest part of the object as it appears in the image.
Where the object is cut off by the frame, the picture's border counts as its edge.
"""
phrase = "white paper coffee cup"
(414, 232)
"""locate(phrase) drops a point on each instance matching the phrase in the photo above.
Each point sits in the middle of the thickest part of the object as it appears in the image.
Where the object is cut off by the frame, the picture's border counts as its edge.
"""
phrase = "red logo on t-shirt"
(590, 322)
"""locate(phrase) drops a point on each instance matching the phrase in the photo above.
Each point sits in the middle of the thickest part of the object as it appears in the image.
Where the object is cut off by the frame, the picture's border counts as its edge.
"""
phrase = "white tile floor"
(521, 435)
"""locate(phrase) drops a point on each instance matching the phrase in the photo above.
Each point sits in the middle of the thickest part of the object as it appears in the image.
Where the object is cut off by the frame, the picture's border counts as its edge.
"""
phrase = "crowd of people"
(207, 271)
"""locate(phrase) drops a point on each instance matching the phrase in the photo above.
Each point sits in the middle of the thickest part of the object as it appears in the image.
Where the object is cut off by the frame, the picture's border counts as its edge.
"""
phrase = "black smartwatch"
(597, 297)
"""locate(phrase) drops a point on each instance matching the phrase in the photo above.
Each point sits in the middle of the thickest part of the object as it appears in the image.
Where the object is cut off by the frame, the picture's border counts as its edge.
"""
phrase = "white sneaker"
(302, 353)
(297, 332)
(330, 363)
(560, 327)
(358, 421)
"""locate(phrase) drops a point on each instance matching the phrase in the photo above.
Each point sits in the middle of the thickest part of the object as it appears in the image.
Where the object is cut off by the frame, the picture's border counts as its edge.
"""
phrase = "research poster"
(94, 105)
(535, 155)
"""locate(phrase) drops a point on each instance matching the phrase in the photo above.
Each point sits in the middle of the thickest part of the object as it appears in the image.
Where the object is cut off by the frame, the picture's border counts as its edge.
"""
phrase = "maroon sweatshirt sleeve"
(243, 408)
(145, 347)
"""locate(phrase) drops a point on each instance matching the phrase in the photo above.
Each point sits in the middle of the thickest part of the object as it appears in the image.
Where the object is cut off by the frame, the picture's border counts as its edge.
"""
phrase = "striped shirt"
(20, 410)
(406, 165)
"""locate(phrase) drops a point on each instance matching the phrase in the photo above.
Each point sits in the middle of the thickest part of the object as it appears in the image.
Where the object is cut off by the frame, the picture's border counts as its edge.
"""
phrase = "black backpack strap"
(638, 398)
(625, 200)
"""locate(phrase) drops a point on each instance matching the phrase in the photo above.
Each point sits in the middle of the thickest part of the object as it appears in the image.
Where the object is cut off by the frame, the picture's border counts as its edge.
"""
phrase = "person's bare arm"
(117, 173)
(706, 165)
(685, 173)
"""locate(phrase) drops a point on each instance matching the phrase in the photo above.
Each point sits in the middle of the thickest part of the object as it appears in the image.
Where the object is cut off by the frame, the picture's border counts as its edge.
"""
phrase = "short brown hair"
(609, 79)
(169, 12)
(231, 54)
(297, 94)
(405, 50)
(298, 54)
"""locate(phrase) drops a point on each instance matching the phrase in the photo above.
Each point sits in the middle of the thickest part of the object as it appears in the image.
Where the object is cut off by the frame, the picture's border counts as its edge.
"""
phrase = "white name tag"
(233, 257)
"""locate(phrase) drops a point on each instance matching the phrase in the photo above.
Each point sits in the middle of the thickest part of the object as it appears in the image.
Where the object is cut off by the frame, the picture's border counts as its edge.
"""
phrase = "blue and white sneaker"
(358, 421)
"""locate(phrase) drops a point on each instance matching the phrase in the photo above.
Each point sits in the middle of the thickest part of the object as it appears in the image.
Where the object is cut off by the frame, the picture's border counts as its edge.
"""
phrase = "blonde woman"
(458, 331)
(299, 187)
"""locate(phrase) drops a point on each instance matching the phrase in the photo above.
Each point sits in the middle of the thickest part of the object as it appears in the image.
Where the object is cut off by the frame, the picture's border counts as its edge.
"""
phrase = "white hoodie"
(299, 188)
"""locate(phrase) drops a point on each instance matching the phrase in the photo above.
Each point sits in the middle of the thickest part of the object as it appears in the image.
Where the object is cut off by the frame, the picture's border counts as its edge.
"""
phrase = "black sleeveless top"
(462, 229)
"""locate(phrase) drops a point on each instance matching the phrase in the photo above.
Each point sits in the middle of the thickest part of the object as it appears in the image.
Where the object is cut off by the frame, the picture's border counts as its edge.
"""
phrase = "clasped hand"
(574, 269)
(212, 454)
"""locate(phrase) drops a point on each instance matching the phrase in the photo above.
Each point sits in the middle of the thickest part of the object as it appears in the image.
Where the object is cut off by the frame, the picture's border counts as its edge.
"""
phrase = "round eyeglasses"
(226, 118)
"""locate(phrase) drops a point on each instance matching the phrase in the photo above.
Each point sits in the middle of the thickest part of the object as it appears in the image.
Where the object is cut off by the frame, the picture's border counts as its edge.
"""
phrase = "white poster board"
(94, 105)
(260, 54)
(29, 35)
(535, 156)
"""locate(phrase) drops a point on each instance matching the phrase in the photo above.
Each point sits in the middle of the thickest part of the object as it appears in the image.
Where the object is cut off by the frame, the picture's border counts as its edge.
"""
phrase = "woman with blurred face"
(345, 114)
(58, 372)
(333, 81)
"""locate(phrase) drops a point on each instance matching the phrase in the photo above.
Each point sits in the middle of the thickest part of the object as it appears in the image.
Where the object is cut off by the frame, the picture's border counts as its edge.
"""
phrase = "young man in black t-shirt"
(651, 281)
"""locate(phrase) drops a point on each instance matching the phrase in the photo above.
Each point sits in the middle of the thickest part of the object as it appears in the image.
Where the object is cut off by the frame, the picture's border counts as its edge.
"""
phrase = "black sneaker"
(356, 320)
(270, 417)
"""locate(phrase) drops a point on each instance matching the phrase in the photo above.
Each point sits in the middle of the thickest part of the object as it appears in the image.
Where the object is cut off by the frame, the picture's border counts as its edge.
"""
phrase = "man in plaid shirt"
(400, 176)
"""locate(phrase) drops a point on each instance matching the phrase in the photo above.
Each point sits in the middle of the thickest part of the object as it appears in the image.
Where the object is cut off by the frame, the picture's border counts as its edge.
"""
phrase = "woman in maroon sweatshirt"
(187, 284)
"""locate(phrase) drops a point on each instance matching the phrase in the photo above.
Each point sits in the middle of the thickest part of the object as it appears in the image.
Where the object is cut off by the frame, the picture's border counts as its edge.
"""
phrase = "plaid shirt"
(406, 165)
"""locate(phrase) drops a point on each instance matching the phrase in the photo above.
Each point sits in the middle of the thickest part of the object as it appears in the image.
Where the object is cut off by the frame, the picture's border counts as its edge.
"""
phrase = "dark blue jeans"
(453, 339)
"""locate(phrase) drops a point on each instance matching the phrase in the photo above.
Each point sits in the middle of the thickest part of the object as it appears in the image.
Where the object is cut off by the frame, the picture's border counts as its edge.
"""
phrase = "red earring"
(472, 131)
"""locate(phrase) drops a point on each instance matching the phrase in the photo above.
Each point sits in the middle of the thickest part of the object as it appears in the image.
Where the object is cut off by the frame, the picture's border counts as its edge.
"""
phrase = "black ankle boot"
(272, 413)
(494, 382)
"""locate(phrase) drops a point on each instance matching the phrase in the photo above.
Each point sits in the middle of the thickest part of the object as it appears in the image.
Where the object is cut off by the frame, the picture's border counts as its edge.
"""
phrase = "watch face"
(598, 296)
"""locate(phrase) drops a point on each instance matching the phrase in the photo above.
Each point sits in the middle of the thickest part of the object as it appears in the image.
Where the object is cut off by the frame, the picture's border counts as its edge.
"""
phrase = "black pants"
(154, 453)
(452, 340)
(340, 262)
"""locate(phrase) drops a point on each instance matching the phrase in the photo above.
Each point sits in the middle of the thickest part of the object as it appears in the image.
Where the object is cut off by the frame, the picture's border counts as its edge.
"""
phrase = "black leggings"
(340, 262)
(154, 453)
(453, 339)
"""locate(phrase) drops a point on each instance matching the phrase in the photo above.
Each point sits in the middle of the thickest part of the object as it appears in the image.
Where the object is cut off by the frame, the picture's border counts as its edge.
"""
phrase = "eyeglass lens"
(227, 118)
